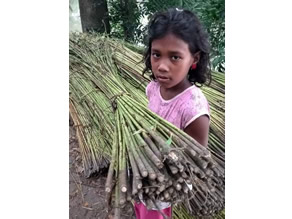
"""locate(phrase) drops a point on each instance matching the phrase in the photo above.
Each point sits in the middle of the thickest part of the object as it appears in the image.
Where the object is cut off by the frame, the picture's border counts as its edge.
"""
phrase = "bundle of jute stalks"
(149, 157)
(163, 160)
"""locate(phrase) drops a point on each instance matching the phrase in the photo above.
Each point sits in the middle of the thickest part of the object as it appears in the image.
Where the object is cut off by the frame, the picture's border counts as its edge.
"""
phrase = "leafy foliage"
(124, 19)
(212, 15)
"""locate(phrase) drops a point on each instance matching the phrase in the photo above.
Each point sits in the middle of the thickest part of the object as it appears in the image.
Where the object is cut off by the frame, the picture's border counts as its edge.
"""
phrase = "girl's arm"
(199, 130)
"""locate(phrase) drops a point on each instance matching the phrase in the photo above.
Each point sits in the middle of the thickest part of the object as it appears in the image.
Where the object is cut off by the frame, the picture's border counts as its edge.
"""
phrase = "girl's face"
(171, 60)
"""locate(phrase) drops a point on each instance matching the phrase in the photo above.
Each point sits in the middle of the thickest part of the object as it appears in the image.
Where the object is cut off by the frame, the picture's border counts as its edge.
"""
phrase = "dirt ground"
(87, 196)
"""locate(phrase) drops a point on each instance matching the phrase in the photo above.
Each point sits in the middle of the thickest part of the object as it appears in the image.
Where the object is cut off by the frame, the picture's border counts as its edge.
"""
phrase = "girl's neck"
(169, 93)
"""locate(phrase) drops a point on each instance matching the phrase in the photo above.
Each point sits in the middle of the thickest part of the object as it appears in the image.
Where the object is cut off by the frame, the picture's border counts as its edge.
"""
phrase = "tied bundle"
(149, 157)
(161, 160)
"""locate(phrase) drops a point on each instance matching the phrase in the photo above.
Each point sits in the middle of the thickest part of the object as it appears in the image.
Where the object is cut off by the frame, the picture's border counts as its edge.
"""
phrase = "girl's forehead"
(170, 42)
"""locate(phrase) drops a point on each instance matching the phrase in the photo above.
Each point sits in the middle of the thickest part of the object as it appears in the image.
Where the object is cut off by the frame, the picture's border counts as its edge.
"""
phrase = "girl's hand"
(199, 130)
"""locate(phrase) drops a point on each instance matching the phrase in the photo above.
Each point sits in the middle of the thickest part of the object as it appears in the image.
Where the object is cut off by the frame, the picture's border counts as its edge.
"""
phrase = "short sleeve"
(149, 89)
(196, 107)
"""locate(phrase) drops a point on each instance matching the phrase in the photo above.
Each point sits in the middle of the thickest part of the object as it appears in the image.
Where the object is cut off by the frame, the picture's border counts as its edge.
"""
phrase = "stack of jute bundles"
(148, 155)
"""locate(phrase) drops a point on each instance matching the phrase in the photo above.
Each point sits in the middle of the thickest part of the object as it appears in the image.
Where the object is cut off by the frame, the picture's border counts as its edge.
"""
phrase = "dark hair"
(185, 25)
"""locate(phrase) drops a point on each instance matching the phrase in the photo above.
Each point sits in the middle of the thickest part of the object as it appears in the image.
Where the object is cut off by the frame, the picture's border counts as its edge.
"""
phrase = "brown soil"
(87, 195)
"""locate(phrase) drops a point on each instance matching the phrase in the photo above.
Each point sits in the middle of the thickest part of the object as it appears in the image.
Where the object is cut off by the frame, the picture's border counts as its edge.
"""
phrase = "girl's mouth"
(162, 79)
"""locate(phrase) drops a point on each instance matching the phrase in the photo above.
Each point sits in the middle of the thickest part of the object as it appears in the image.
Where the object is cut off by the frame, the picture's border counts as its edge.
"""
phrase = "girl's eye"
(155, 55)
(175, 58)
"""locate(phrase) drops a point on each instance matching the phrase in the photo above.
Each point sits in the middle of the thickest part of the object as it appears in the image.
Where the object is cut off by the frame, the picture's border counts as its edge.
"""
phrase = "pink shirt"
(182, 109)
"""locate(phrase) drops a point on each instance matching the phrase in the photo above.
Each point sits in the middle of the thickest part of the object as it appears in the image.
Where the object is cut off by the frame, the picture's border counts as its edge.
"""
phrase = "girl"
(178, 57)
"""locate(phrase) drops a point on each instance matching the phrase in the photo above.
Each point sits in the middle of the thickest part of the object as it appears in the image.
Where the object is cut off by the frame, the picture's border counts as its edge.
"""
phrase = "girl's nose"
(162, 67)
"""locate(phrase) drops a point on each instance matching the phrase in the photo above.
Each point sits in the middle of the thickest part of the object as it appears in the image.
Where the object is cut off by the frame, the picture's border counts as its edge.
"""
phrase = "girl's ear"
(197, 56)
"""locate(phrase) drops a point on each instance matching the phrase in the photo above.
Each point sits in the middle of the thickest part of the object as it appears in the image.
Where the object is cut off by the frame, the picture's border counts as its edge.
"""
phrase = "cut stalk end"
(124, 189)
